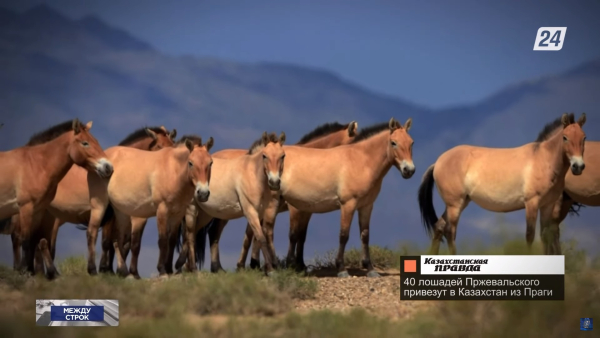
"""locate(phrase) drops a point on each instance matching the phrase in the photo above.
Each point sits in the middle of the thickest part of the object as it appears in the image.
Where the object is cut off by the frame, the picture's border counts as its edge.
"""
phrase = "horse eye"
(211, 163)
(85, 144)
(190, 164)
(394, 143)
(565, 138)
(264, 157)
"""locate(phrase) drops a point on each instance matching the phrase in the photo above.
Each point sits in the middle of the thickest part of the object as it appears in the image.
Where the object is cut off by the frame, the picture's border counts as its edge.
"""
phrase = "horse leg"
(452, 217)
(303, 218)
(214, 235)
(531, 212)
(364, 221)
(108, 250)
(248, 240)
(173, 234)
(98, 204)
(255, 256)
(268, 226)
(347, 213)
(137, 230)
(28, 221)
(550, 218)
(440, 228)
(162, 223)
(16, 243)
(254, 220)
(45, 255)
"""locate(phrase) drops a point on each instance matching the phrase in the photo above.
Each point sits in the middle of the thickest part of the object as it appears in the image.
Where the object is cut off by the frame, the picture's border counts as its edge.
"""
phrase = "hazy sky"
(409, 49)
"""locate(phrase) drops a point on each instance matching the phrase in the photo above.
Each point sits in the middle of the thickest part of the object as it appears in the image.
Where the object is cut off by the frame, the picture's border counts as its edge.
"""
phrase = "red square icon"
(410, 265)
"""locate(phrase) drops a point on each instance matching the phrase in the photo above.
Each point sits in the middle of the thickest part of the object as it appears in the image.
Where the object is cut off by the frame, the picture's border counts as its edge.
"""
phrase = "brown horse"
(241, 186)
(71, 202)
(324, 180)
(530, 177)
(324, 136)
(30, 176)
(145, 184)
(580, 190)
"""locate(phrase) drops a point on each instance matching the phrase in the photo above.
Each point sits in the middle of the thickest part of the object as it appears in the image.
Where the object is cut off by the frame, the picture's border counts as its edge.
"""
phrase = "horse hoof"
(122, 272)
(343, 274)
(92, 271)
(131, 277)
(51, 274)
(373, 274)
(163, 277)
(271, 273)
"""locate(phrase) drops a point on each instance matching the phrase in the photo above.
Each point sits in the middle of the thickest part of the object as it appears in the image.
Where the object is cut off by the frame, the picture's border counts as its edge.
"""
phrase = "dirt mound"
(379, 296)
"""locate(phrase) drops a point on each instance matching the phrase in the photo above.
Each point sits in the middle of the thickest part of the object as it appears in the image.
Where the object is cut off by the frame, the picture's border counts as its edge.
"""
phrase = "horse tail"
(428, 216)
(200, 245)
(574, 209)
(6, 226)
(109, 214)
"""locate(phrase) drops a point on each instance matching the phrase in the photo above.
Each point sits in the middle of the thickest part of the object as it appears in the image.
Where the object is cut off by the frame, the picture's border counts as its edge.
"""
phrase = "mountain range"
(55, 68)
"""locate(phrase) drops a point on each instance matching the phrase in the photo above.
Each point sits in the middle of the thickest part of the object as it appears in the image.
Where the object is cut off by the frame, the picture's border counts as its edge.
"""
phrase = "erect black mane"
(140, 134)
(256, 145)
(551, 127)
(371, 131)
(323, 130)
(51, 133)
(196, 140)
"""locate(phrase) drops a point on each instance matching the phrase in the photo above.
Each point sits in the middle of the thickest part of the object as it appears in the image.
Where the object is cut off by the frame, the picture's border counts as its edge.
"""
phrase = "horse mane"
(257, 145)
(551, 127)
(196, 140)
(323, 130)
(52, 133)
(140, 134)
(370, 131)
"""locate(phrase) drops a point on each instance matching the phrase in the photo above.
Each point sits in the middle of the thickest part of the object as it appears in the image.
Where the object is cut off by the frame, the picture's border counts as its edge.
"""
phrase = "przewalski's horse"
(241, 186)
(580, 190)
(145, 184)
(324, 136)
(72, 202)
(346, 178)
(30, 176)
(530, 177)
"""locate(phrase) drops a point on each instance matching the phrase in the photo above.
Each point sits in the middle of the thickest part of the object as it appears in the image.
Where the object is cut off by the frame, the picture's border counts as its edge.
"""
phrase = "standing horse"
(241, 186)
(145, 184)
(530, 177)
(346, 178)
(30, 176)
(71, 202)
(324, 136)
(580, 190)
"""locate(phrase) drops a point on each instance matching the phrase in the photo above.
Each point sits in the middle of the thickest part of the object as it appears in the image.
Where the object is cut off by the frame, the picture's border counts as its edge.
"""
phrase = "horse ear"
(151, 134)
(392, 124)
(265, 138)
(76, 126)
(209, 143)
(164, 129)
(173, 134)
(189, 144)
(581, 120)
(282, 138)
(408, 124)
(88, 125)
(352, 128)
(565, 120)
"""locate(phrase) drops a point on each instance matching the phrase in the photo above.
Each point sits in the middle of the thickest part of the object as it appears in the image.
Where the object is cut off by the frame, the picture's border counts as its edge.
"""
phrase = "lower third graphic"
(77, 312)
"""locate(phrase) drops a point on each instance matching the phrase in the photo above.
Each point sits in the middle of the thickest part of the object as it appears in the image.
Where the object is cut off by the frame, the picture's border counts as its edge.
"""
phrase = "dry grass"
(250, 305)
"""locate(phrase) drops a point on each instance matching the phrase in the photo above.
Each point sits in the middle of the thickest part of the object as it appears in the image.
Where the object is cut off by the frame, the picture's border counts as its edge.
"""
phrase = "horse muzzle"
(407, 170)
(577, 165)
(104, 168)
(202, 195)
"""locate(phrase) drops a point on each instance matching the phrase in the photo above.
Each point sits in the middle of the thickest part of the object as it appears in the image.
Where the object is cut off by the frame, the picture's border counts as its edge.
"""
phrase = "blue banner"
(77, 313)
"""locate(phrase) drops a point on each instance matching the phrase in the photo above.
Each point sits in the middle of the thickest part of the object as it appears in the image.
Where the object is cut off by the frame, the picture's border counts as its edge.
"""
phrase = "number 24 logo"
(556, 35)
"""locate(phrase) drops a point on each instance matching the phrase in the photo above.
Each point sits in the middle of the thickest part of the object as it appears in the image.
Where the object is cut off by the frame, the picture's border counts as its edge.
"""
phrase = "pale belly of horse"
(314, 202)
(504, 200)
(222, 209)
(135, 208)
